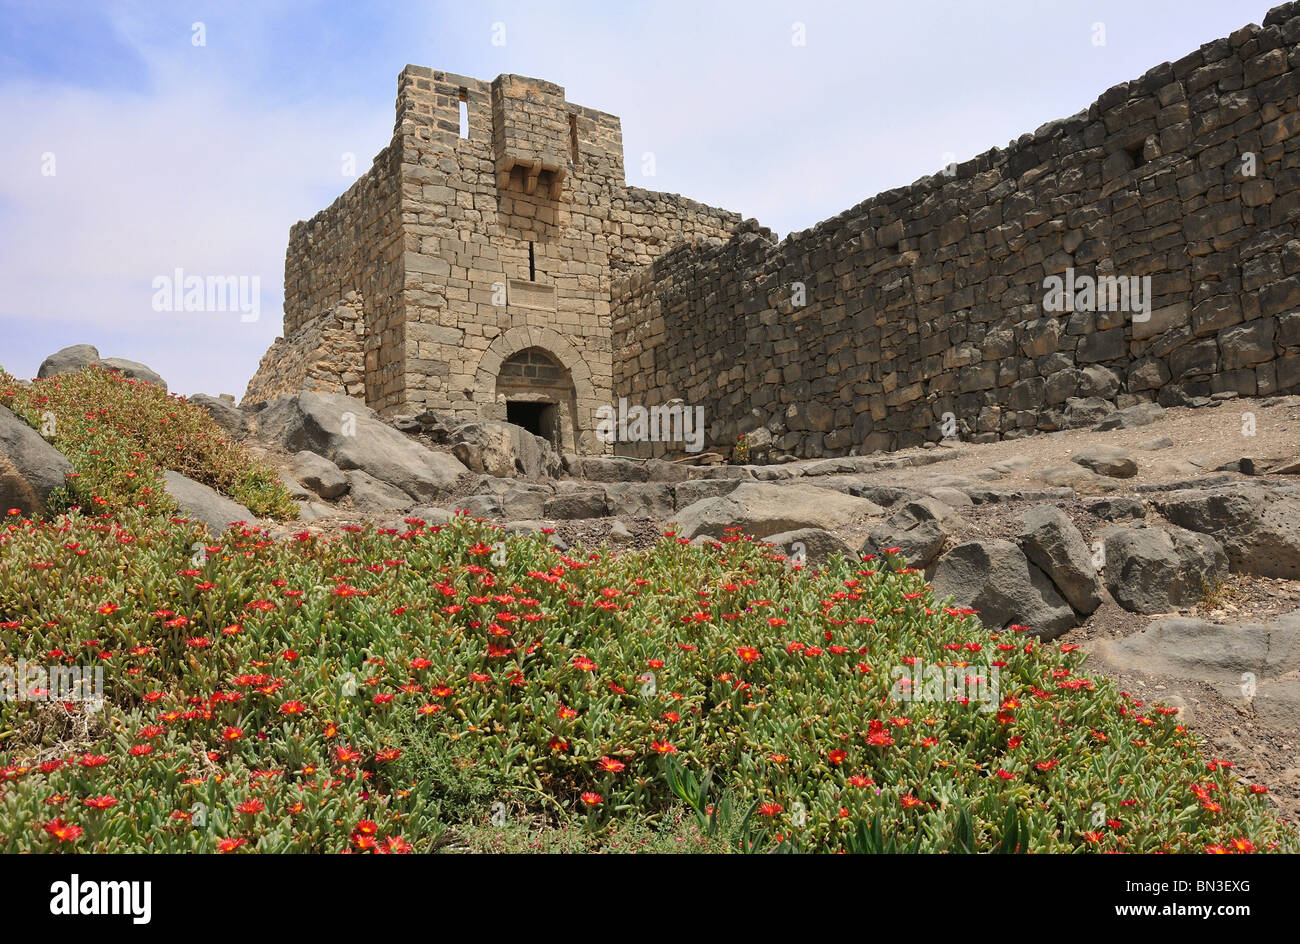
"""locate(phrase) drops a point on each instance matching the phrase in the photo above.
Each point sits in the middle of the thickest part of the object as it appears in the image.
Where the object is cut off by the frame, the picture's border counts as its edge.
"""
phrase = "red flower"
(771, 809)
(748, 654)
(610, 765)
(100, 802)
(837, 756)
(877, 736)
(592, 799)
(249, 807)
(63, 832)
(663, 747)
(230, 845)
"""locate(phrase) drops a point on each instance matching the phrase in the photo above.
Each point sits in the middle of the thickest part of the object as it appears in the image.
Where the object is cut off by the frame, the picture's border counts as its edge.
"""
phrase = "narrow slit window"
(573, 137)
(532, 264)
(464, 113)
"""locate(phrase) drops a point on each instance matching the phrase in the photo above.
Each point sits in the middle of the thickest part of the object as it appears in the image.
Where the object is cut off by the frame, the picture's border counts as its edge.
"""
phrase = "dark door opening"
(537, 418)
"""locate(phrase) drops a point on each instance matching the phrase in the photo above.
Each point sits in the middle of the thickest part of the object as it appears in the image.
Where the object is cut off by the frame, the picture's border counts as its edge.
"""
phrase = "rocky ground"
(1164, 542)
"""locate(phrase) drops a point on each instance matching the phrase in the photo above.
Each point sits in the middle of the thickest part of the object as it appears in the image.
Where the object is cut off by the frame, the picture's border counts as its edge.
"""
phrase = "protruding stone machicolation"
(513, 274)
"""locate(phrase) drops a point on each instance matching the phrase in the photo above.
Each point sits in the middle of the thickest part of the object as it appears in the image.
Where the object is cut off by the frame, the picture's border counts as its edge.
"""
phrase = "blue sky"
(169, 154)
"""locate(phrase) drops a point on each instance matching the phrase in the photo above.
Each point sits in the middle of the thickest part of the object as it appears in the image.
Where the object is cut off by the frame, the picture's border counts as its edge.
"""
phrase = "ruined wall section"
(325, 355)
(349, 249)
(928, 299)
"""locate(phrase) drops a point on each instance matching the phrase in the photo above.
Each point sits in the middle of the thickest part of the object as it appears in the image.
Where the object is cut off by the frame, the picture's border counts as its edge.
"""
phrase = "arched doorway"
(576, 396)
(539, 395)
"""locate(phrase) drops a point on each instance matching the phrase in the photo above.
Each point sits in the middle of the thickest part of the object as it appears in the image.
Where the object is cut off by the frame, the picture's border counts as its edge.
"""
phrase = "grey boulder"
(760, 509)
(30, 468)
(1259, 526)
(204, 504)
(504, 450)
(68, 359)
(319, 474)
(370, 494)
(224, 413)
(1053, 544)
(348, 433)
(134, 370)
(919, 529)
(1155, 570)
(80, 356)
(810, 545)
(997, 579)
(1106, 460)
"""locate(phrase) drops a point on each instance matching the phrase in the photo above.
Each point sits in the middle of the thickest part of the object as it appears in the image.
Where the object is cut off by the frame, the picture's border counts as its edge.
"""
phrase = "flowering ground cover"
(373, 691)
(120, 434)
(447, 687)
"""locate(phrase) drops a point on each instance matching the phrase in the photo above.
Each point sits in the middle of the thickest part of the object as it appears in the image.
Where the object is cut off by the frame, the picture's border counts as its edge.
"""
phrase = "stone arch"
(560, 349)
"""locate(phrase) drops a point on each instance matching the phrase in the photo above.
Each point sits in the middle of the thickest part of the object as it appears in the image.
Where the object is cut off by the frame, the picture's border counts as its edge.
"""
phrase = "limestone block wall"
(930, 299)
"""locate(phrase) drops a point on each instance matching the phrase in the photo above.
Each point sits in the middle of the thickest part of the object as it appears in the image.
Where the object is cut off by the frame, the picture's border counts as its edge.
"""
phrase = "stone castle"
(471, 270)
(510, 273)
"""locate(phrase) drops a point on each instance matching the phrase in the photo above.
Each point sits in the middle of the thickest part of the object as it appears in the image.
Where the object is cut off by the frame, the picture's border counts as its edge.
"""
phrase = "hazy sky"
(166, 154)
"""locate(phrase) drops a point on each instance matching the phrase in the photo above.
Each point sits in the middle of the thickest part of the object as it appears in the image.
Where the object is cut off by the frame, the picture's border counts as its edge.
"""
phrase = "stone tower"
(470, 269)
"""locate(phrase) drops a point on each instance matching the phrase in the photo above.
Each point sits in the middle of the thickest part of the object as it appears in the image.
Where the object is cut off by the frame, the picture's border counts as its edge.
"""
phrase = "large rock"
(348, 433)
(30, 468)
(80, 356)
(1139, 414)
(504, 450)
(319, 474)
(369, 494)
(576, 500)
(1195, 649)
(1106, 460)
(224, 413)
(201, 503)
(1118, 509)
(295, 488)
(1259, 526)
(69, 359)
(810, 545)
(1086, 411)
(995, 578)
(1082, 480)
(507, 498)
(134, 370)
(1253, 665)
(919, 529)
(688, 493)
(1155, 570)
(1053, 544)
(761, 509)
(640, 499)
(613, 469)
